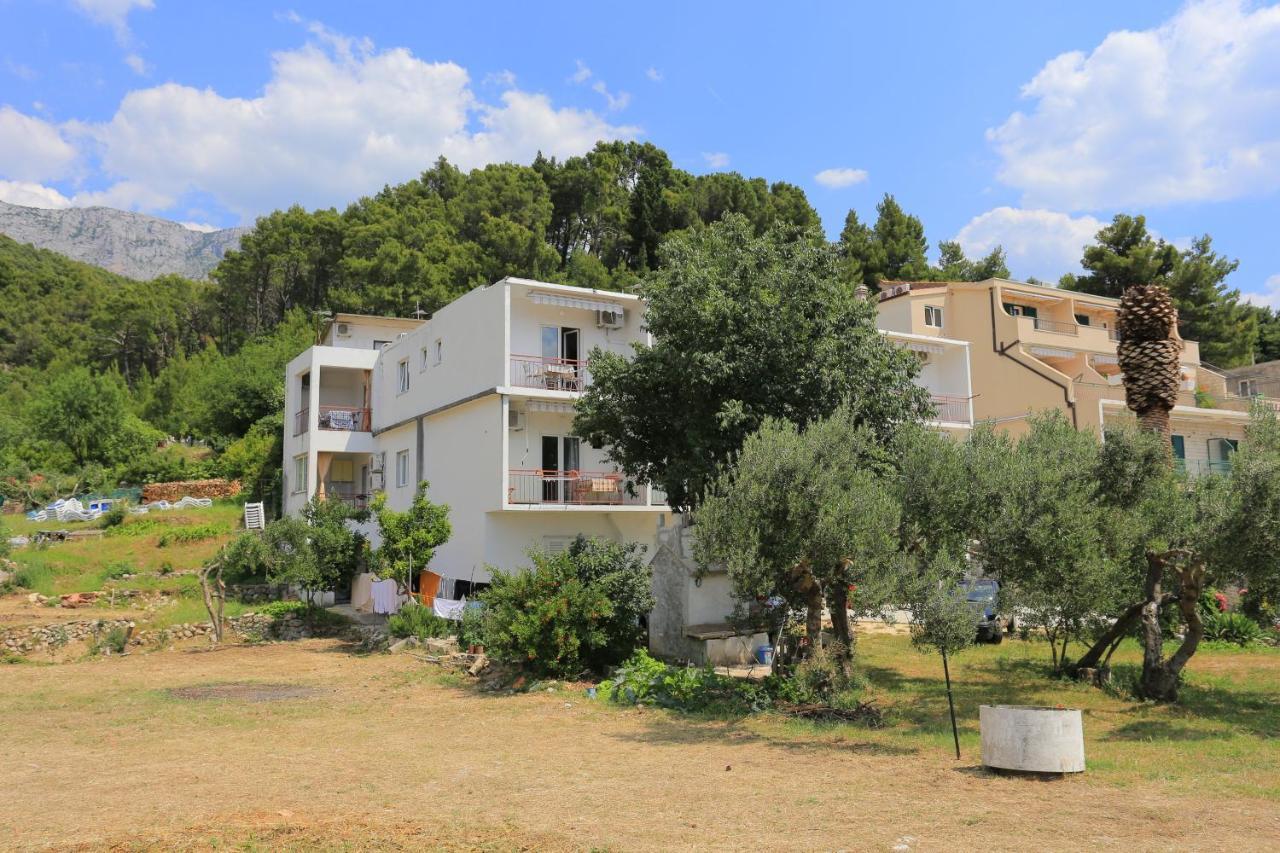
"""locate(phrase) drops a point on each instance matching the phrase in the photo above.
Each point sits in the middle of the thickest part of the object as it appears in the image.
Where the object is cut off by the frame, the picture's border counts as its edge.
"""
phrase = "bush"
(819, 679)
(644, 680)
(117, 569)
(184, 535)
(279, 609)
(471, 626)
(1232, 628)
(580, 609)
(113, 642)
(113, 517)
(414, 620)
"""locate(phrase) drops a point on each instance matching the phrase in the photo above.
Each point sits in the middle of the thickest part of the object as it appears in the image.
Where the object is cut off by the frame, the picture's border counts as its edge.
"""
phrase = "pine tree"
(1124, 255)
(1207, 311)
(900, 243)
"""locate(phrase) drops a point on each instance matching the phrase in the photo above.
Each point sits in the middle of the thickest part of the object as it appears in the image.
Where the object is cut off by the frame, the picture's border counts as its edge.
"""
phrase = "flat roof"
(921, 286)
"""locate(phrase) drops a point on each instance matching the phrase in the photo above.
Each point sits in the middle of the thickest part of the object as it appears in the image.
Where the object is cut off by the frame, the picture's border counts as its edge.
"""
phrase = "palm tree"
(1148, 355)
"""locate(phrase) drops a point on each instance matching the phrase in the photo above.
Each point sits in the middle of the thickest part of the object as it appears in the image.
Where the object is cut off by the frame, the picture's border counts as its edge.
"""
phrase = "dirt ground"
(166, 750)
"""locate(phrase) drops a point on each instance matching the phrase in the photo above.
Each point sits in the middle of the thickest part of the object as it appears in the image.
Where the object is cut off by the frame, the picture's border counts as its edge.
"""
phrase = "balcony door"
(560, 354)
(559, 454)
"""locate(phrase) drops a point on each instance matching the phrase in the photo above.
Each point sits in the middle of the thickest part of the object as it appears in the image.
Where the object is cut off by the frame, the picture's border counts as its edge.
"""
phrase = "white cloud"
(1040, 243)
(506, 79)
(32, 149)
(582, 74)
(1270, 295)
(842, 177)
(113, 13)
(137, 63)
(615, 101)
(22, 72)
(716, 159)
(653, 74)
(1188, 111)
(30, 194)
(337, 120)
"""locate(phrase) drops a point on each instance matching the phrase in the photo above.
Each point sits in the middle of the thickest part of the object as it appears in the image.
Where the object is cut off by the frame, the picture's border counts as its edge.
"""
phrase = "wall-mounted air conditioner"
(609, 318)
(515, 420)
(343, 330)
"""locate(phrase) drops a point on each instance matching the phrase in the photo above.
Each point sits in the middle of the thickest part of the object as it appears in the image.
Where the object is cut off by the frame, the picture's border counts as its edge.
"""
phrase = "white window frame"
(402, 376)
(402, 469)
(935, 312)
(299, 474)
(426, 358)
(439, 351)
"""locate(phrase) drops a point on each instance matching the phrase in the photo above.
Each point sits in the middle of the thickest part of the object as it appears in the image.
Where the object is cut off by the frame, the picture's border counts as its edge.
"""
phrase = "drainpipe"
(1004, 351)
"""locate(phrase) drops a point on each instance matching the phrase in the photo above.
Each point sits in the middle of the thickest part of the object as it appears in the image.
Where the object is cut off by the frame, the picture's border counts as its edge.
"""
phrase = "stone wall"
(44, 638)
(175, 491)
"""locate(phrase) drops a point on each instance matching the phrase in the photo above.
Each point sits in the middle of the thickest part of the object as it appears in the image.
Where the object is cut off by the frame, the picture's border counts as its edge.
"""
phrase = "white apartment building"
(478, 401)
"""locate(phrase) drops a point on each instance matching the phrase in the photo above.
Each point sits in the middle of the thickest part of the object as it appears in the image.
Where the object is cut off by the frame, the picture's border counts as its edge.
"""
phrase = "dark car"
(983, 595)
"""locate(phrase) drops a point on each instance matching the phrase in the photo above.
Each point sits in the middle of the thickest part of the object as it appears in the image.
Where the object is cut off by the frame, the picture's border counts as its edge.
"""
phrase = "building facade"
(477, 401)
(1033, 348)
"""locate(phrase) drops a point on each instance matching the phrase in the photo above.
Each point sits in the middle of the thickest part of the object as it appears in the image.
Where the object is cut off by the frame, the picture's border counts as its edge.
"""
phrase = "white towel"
(384, 596)
(447, 608)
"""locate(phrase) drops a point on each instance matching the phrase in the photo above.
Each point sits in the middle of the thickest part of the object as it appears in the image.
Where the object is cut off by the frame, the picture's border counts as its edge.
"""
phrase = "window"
(342, 471)
(1179, 446)
(426, 358)
(1082, 319)
(402, 375)
(933, 316)
(402, 468)
(1248, 387)
(381, 344)
(1020, 310)
(299, 474)
(439, 350)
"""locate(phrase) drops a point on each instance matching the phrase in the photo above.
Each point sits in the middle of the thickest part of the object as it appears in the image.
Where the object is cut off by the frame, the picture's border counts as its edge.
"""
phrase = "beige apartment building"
(1034, 348)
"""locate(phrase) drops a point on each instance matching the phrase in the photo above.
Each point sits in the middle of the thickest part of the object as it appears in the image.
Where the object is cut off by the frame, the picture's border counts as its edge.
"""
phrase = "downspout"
(1004, 351)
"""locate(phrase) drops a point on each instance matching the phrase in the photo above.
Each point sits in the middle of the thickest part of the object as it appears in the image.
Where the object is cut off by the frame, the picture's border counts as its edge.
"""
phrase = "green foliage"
(746, 327)
(821, 678)
(244, 558)
(942, 620)
(1125, 254)
(338, 547)
(281, 609)
(644, 680)
(409, 538)
(117, 570)
(255, 458)
(185, 535)
(113, 517)
(569, 611)
(471, 627)
(112, 642)
(1232, 627)
(83, 413)
(414, 620)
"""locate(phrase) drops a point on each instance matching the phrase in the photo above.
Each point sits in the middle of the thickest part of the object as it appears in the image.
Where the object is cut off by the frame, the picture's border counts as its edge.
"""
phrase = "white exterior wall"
(365, 332)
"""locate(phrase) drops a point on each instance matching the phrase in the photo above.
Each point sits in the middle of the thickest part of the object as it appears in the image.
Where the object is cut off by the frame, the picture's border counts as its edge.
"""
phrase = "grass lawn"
(85, 565)
(383, 752)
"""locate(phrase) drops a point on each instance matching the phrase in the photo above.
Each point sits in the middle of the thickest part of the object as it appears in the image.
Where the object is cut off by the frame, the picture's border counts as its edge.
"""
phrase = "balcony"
(336, 418)
(572, 488)
(951, 409)
(548, 374)
(346, 494)
(1057, 327)
(1203, 467)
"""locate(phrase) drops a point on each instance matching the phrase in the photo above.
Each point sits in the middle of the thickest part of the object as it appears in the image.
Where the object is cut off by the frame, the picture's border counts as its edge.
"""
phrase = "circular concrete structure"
(1032, 739)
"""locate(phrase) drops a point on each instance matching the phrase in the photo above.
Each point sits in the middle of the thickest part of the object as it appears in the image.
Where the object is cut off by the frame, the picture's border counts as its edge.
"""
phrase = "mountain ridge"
(130, 244)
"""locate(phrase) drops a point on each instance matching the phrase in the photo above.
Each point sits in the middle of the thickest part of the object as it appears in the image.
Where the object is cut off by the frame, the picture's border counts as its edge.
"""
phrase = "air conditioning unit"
(610, 318)
(343, 330)
(515, 420)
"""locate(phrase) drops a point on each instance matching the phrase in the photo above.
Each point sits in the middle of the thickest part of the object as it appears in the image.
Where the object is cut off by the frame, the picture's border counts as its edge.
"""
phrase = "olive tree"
(410, 537)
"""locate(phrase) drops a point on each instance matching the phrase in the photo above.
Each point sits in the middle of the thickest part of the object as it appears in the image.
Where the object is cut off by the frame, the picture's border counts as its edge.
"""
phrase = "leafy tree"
(745, 328)
(1125, 255)
(619, 571)
(954, 266)
(807, 515)
(338, 546)
(410, 537)
(900, 245)
(1267, 347)
(83, 412)
(291, 557)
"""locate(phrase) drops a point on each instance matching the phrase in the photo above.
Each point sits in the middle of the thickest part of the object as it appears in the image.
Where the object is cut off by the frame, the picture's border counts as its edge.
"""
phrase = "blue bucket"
(764, 655)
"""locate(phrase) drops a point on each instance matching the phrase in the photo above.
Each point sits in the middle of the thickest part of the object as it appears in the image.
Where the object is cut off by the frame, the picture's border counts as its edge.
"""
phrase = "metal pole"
(955, 733)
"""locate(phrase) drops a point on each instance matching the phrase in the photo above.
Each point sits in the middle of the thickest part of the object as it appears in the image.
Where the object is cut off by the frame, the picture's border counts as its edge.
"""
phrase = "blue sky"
(1000, 122)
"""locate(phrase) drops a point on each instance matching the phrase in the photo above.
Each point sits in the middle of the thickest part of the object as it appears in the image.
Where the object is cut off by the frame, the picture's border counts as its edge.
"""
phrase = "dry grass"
(100, 755)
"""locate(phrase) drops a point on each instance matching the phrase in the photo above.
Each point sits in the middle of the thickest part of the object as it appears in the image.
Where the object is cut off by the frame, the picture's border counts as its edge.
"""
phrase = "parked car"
(983, 595)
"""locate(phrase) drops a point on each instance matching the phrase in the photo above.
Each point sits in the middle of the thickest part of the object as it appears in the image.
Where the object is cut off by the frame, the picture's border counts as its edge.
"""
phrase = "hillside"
(131, 244)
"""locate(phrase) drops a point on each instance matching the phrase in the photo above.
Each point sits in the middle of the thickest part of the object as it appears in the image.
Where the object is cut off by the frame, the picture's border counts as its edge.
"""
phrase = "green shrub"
(117, 569)
(471, 627)
(545, 618)
(571, 611)
(414, 620)
(644, 680)
(113, 517)
(278, 609)
(184, 535)
(112, 642)
(819, 679)
(1232, 628)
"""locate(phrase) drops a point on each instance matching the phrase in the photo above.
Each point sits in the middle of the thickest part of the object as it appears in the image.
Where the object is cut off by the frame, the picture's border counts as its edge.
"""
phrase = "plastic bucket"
(764, 655)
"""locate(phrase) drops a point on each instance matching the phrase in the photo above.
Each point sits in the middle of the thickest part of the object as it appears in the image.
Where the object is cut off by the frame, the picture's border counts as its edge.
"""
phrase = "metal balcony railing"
(572, 488)
(1055, 326)
(951, 409)
(300, 421)
(551, 374)
(344, 418)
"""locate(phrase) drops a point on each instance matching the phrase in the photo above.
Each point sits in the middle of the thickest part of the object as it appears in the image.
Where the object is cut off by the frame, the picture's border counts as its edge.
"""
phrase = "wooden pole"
(955, 732)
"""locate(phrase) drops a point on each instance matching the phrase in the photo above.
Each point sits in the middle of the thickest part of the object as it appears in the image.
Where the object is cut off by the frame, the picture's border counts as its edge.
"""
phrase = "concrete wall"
(365, 332)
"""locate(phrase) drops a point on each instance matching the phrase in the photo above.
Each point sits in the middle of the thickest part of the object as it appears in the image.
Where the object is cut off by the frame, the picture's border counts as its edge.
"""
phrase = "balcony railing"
(300, 421)
(572, 488)
(1203, 467)
(550, 374)
(951, 409)
(347, 495)
(1056, 326)
(1113, 334)
(344, 418)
